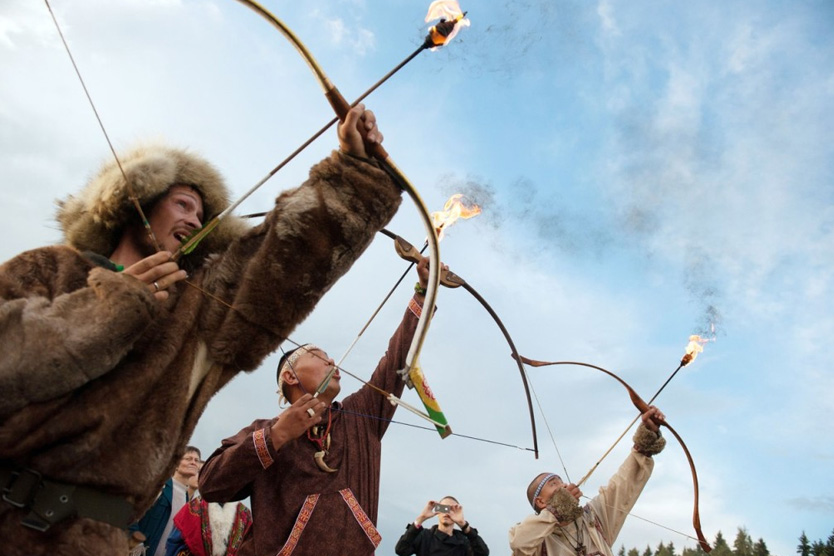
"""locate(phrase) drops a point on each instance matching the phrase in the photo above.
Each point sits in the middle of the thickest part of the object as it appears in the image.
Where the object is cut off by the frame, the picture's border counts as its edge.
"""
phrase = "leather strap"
(50, 502)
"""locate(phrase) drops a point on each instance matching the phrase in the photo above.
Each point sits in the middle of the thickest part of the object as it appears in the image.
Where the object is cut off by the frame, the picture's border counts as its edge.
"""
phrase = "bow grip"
(341, 107)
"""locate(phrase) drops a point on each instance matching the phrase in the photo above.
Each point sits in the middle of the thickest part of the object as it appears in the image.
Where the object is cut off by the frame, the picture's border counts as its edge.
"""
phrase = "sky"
(647, 170)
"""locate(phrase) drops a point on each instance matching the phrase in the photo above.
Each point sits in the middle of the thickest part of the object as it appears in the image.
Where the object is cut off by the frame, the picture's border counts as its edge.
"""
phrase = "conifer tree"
(662, 550)
(743, 545)
(829, 545)
(803, 548)
(818, 548)
(760, 548)
(648, 551)
(720, 546)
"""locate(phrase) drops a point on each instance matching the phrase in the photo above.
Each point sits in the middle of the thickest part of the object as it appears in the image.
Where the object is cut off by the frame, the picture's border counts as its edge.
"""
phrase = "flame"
(454, 209)
(451, 20)
(694, 347)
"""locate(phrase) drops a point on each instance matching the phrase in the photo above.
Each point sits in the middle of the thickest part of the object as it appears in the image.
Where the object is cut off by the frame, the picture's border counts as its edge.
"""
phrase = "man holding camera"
(441, 539)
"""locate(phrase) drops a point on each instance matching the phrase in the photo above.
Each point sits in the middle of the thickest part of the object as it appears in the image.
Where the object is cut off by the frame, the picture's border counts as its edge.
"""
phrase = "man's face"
(444, 518)
(548, 490)
(312, 367)
(189, 465)
(175, 216)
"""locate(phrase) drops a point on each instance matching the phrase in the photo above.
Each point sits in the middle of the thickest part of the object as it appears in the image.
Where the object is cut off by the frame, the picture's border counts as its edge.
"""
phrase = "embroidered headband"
(541, 486)
(289, 364)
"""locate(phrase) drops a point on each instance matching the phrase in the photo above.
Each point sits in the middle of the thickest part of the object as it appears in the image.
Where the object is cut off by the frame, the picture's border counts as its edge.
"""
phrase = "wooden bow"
(412, 370)
(449, 279)
(642, 407)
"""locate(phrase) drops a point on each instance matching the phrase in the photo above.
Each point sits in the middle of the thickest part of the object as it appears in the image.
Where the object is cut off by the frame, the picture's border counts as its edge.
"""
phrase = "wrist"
(464, 526)
(418, 523)
(420, 289)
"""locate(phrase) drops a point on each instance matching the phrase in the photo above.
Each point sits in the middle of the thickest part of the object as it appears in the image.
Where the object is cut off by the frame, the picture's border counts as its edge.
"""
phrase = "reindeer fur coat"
(102, 385)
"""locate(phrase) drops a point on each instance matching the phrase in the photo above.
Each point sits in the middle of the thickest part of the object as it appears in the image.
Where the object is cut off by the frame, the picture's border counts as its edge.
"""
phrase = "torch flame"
(693, 348)
(451, 20)
(454, 209)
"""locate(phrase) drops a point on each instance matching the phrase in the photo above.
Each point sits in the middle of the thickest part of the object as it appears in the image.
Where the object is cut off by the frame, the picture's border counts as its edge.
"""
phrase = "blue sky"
(645, 169)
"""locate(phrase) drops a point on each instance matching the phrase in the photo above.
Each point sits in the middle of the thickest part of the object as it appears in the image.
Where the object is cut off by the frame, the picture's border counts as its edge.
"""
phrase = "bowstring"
(390, 420)
(131, 193)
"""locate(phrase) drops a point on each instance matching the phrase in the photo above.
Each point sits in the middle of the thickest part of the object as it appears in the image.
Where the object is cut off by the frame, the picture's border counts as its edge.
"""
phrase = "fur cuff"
(564, 506)
(647, 442)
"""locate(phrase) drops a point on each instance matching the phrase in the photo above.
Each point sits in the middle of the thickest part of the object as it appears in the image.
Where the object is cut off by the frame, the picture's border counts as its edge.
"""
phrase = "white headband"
(540, 487)
(289, 364)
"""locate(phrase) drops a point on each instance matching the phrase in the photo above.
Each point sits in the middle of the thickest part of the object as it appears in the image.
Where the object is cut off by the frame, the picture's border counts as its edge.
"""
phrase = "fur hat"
(95, 219)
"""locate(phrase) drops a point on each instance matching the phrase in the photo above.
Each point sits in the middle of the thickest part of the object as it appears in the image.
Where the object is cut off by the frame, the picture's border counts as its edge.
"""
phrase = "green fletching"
(191, 243)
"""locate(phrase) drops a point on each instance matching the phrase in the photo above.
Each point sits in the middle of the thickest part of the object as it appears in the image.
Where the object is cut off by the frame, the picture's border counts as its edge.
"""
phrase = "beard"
(564, 506)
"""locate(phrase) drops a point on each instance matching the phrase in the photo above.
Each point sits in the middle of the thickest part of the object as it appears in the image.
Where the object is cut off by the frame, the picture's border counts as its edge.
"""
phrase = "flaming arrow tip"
(451, 20)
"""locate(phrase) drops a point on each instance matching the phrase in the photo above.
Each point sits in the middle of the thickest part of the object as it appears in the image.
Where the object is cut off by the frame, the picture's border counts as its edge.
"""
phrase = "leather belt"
(50, 502)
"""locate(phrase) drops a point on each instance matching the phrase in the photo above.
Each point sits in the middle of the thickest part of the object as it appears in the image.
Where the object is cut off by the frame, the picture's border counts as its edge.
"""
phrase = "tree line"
(743, 545)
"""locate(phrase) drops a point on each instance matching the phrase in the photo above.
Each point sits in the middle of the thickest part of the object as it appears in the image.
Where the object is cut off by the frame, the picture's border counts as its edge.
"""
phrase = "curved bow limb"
(449, 279)
(642, 406)
(412, 369)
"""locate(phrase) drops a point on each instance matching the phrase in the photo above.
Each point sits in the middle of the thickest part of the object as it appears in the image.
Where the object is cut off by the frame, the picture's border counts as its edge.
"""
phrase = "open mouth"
(180, 236)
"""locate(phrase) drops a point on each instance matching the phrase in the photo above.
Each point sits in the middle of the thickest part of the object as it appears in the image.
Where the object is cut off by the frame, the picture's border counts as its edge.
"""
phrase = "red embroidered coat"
(297, 508)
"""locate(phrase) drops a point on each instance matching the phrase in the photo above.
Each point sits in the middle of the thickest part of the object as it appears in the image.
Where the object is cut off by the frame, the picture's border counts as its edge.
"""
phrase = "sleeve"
(368, 402)
(476, 543)
(56, 338)
(175, 544)
(276, 273)
(526, 538)
(228, 474)
(407, 545)
(617, 498)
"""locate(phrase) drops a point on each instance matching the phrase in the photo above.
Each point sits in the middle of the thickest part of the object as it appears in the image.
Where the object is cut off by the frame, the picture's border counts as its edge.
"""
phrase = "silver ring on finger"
(310, 412)
(156, 285)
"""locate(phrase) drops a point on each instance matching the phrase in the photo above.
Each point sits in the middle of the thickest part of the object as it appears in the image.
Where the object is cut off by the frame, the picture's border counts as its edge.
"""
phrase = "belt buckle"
(20, 490)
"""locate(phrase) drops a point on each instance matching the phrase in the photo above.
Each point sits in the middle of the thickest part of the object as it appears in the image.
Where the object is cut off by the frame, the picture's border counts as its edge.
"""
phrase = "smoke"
(521, 36)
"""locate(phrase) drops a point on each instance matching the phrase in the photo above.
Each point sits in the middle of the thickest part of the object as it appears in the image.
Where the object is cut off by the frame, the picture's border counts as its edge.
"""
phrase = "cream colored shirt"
(600, 523)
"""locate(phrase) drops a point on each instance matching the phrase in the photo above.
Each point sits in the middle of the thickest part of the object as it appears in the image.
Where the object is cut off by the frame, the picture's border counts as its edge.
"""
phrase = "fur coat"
(103, 385)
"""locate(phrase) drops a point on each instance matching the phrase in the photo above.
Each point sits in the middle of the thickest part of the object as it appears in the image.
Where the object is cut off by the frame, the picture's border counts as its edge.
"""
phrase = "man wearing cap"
(560, 527)
(313, 471)
(111, 352)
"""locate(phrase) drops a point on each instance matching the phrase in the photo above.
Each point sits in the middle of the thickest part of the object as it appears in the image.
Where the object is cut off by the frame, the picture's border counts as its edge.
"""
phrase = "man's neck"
(128, 251)
(446, 528)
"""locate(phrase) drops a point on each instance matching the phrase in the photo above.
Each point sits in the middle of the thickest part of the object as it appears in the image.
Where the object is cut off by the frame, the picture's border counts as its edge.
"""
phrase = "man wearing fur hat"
(105, 373)
(560, 527)
(312, 472)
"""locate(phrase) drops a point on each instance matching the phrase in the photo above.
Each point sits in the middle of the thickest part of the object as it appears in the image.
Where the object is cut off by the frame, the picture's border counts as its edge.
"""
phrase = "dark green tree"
(818, 548)
(803, 548)
(697, 551)
(648, 551)
(621, 551)
(633, 552)
(743, 545)
(720, 546)
(760, 548)
(663, 550)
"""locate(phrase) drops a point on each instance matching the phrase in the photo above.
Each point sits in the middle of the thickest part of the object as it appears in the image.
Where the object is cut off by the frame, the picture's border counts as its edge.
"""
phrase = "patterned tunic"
(298, 508)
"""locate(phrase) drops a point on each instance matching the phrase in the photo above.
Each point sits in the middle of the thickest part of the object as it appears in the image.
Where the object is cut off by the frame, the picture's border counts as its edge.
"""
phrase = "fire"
(454, 209)
(451, 20)
(693, 348)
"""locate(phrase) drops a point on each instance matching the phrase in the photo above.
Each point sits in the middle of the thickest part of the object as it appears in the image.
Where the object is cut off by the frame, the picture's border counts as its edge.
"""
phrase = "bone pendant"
(319, 457)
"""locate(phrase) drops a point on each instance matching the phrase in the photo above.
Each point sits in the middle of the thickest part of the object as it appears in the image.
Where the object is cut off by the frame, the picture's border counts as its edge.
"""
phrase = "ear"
(290, 379)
